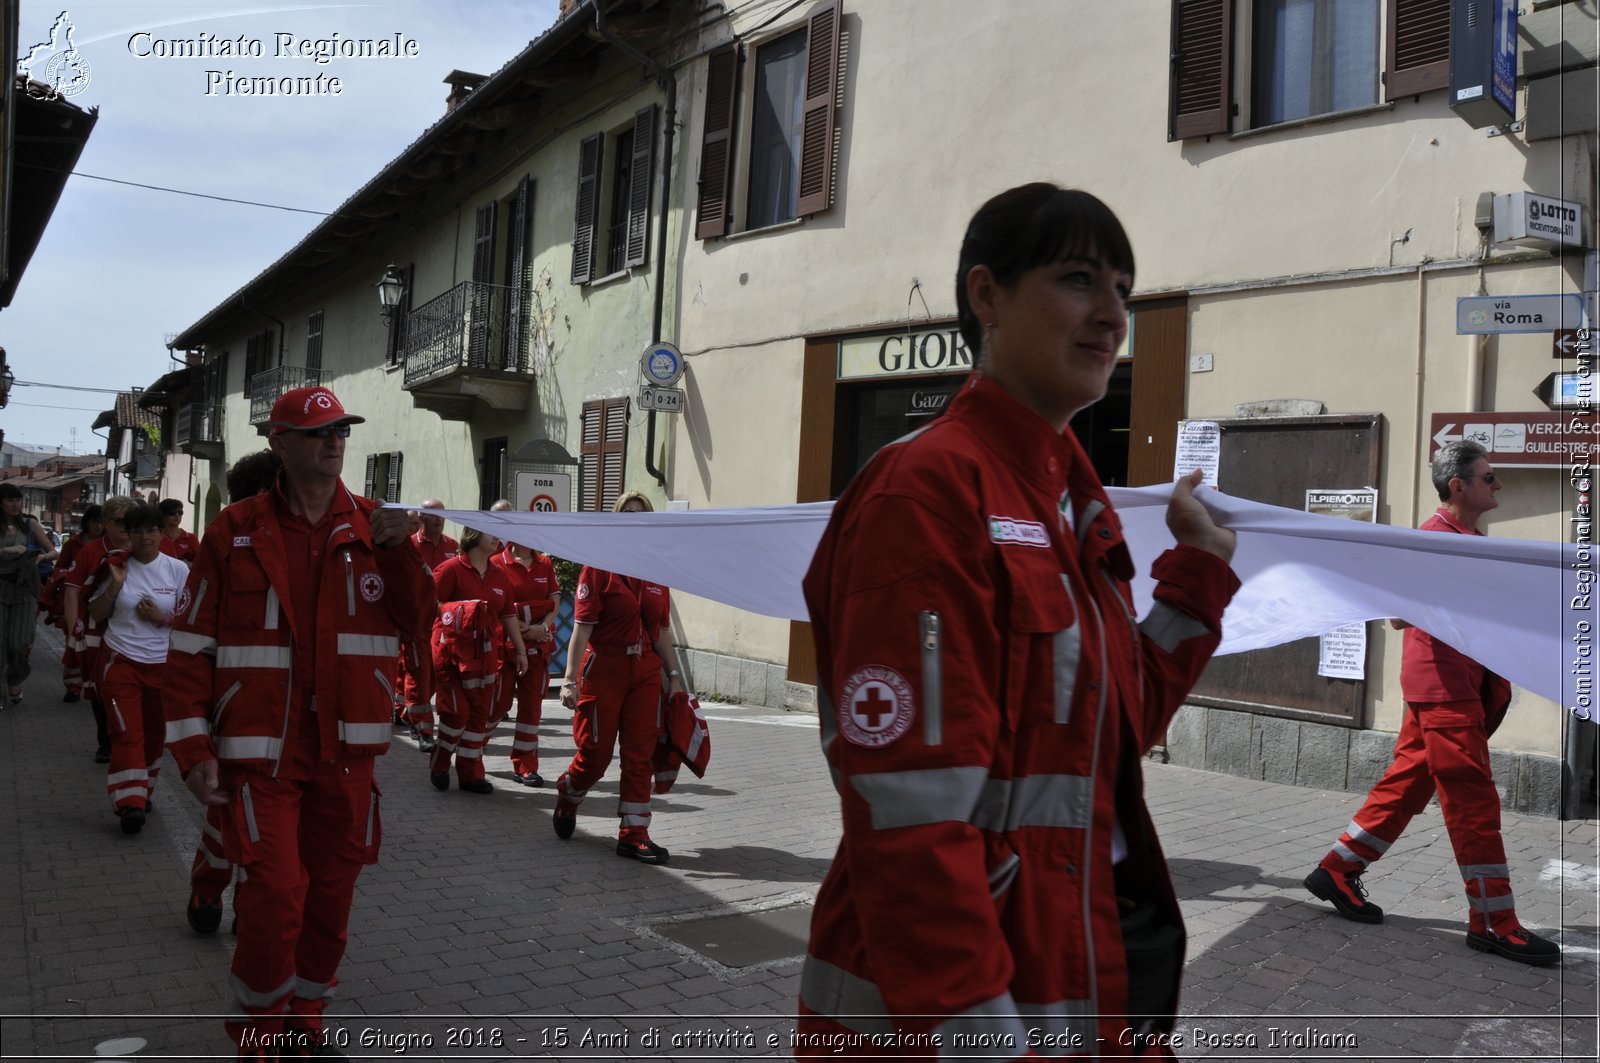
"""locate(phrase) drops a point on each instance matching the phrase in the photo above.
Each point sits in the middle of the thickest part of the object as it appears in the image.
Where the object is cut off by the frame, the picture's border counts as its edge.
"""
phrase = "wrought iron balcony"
(266, 388)
(199, 429)
(469, 345)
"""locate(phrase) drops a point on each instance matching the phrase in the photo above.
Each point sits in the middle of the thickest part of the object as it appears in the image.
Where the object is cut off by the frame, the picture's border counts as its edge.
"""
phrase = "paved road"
(482, 936)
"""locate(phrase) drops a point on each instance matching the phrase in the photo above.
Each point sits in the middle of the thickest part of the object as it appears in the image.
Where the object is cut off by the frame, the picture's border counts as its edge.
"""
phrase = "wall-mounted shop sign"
(1529, 218)
(940, 350)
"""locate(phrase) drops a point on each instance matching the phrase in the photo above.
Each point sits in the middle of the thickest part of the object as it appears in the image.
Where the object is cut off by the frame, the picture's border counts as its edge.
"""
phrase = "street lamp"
(391, 289)
(7, 378)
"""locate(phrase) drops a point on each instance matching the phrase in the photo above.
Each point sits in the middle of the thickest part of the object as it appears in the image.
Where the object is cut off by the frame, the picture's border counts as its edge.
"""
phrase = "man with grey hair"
(1453, 704)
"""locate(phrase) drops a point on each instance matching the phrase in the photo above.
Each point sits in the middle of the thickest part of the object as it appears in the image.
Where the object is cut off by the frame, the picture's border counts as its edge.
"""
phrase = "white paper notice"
(1199, 447)
(1344, 653)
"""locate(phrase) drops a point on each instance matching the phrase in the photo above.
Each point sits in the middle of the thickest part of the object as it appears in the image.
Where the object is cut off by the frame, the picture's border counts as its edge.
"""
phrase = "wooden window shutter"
(644, 151)
(314, 342)
(716, 144)
(613, 452)
(587, 213)
(820, 102)
(371, 488)
(396, 460)
(516, 356)
(483, 242)
(1200, 91)
(589, 455)
(481, 302)
(1419, 47)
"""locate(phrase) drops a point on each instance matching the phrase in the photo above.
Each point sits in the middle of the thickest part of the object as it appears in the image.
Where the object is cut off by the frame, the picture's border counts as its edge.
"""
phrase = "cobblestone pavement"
(480, 935)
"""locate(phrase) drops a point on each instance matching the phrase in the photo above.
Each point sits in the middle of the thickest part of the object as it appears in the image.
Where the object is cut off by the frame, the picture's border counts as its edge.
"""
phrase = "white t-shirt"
(129, 634)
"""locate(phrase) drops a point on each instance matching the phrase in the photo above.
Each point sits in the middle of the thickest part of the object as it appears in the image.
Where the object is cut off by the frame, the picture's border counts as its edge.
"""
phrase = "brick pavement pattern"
(480, 935)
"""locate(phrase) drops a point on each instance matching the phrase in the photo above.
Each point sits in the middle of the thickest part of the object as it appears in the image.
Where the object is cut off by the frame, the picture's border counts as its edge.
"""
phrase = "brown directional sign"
(1541, 440)
(1571, 342)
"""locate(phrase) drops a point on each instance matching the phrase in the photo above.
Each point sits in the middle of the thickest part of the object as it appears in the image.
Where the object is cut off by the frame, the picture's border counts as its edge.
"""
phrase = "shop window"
(774, 159)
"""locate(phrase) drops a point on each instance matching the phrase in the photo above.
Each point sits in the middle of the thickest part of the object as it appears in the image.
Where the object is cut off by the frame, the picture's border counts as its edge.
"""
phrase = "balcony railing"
(472, 326)
(266, 388)
(198, 423)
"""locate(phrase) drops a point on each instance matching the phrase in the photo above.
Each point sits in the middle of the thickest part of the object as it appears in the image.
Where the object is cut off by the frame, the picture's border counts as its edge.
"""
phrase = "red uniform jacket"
(985, 695)
(464, 639)
(229, 687)
(685, 739)
(531, 590)
(1432, 671)
(186, 547)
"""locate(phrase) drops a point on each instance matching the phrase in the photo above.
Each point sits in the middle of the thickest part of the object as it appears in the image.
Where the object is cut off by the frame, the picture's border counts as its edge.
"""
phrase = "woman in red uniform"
(986, 695)
(538, 601)
(620, 643)
(52, 599)
(473, 595)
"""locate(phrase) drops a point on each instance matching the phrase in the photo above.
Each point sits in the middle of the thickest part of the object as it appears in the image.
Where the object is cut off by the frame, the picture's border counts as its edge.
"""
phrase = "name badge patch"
(1021, 532)
(241, 540)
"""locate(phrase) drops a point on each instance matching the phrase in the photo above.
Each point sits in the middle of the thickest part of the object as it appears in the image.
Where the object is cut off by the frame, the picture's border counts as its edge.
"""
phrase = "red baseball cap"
(301, 408)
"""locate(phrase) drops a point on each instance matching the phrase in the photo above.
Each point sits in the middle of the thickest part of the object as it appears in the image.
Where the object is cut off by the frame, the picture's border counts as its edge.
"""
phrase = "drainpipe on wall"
(669, 85)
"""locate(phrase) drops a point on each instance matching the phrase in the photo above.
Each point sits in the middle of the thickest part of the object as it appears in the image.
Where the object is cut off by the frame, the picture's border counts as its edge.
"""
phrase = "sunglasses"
(1487, 477)
(340, 430)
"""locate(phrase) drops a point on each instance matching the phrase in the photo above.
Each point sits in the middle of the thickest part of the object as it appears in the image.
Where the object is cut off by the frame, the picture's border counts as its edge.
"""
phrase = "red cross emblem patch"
(875, 707)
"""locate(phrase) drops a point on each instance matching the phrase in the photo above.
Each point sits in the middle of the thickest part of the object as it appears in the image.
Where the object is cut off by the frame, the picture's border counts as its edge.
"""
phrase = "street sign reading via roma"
(1477, 314)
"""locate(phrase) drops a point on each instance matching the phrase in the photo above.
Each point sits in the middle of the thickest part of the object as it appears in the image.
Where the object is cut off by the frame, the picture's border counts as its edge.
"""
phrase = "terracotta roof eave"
(541, 48)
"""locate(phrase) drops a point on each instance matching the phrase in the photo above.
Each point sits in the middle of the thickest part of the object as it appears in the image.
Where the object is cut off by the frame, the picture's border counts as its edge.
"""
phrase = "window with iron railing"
(268, 387)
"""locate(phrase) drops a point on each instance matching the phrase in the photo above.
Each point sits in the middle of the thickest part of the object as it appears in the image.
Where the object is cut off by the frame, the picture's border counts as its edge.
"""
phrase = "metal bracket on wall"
(1505, 130)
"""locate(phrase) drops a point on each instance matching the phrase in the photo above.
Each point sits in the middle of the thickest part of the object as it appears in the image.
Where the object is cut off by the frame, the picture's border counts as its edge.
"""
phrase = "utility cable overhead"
(68, 387)
(180, 191)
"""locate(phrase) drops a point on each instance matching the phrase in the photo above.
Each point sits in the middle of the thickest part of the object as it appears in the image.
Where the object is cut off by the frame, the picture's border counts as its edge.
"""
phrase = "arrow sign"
(1447, 434)
(1566, 343)
(1480, 314)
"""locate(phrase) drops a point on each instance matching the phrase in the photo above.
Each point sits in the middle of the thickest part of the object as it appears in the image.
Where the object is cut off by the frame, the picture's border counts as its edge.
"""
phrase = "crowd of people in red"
(303, 596)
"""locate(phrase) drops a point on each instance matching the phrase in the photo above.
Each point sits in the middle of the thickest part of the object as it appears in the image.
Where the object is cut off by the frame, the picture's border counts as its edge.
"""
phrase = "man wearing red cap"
(279, 692)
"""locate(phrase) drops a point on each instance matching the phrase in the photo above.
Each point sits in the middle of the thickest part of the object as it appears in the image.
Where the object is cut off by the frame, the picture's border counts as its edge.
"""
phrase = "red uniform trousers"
(72, 668)
(137, 726)
(529, 689)
(300, 846)
(1444, 745)
(464, 702)
(211, 871)
(618, 694)
(416, 686)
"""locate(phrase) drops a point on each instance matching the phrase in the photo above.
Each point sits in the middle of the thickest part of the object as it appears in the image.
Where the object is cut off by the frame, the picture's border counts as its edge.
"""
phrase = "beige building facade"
(1311, 246)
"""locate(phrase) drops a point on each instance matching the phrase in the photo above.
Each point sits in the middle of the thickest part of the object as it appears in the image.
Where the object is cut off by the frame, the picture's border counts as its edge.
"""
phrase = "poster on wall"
(1343, 652)
(1199, 447)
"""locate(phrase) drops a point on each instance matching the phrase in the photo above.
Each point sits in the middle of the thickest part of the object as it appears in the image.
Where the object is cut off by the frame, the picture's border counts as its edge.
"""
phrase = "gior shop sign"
(904, 354)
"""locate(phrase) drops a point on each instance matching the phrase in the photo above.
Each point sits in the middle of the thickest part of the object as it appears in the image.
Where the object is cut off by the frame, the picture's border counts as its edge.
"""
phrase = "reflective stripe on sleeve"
(190, 642)
(1168, 626)
(248, 747)
(363, 734)
(1035, 801)
(190, 727)
(253, 657)
(852, 1002)
(369, 645)
(913, 798)
(996, 1018)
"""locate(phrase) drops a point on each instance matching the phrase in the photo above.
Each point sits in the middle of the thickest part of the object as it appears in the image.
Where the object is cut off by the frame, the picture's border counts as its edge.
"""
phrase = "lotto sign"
(543, 492)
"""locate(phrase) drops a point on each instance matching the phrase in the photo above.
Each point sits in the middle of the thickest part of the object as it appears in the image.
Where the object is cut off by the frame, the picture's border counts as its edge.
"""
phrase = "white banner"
(1522, 608)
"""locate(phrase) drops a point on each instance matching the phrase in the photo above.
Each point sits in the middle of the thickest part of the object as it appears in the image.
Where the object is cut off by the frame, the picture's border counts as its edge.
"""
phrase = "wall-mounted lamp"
(7, 379)
(391, 289)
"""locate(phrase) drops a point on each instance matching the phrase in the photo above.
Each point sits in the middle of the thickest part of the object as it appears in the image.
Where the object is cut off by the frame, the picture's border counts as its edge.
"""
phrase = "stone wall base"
(1323, 757)
(717, 676)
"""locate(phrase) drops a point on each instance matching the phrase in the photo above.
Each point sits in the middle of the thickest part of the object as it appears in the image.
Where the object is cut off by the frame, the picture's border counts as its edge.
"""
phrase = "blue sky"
(120, 268)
